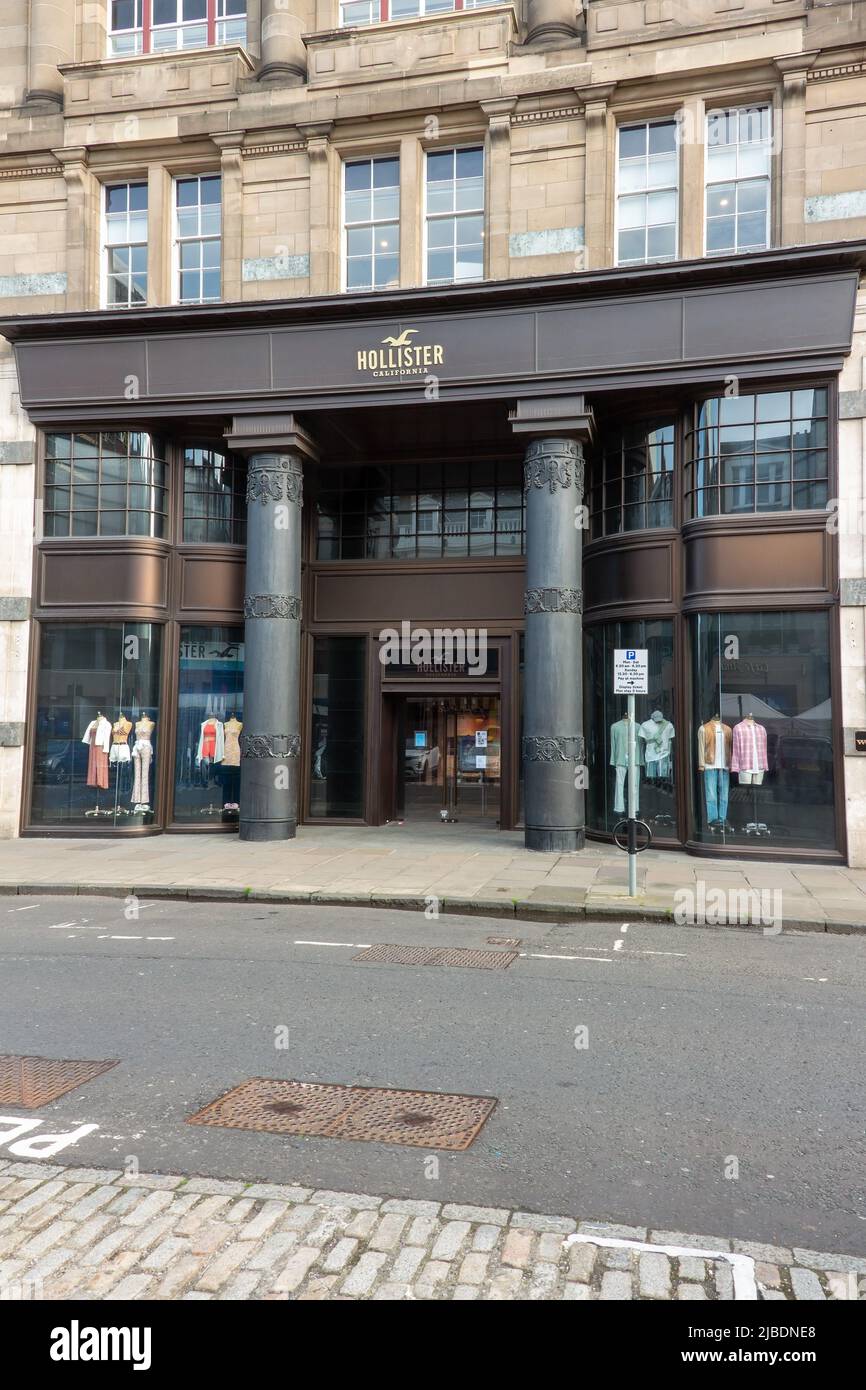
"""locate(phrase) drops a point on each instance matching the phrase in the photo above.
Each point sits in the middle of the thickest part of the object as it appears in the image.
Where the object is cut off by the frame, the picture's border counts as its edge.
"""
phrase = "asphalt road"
(704, 1046)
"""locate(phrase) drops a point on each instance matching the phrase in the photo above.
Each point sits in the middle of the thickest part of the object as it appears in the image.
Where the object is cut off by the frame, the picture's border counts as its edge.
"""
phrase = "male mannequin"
(749, 753)
(619, 761)
(714, 761)
(658, 734)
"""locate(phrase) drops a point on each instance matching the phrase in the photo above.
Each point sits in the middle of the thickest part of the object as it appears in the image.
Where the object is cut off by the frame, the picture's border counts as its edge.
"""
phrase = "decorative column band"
(270, 745)
(554, 463)
(554, 749)
(272, 606)
(553, 601)
(275, 478)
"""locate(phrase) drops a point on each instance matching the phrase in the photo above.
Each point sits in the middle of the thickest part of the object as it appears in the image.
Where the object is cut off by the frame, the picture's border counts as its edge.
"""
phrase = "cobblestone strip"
(94, 1233)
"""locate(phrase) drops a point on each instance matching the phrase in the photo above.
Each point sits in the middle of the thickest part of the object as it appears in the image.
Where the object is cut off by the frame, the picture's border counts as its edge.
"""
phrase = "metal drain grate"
(423, 1119)
(383, 954)
(35, 1081)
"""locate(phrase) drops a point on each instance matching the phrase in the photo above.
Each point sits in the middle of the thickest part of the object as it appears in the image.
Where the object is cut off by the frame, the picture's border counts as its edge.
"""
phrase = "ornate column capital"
(267, 434)
(561, 417)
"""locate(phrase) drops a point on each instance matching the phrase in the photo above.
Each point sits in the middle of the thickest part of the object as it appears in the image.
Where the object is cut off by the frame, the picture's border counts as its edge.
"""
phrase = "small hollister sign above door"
(399, 355)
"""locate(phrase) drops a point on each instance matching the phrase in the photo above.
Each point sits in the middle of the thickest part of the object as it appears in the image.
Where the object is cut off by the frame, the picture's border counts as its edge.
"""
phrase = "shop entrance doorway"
(448, 758)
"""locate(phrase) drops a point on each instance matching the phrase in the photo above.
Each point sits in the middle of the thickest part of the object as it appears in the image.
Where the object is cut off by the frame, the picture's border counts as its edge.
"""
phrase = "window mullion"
(146, 25)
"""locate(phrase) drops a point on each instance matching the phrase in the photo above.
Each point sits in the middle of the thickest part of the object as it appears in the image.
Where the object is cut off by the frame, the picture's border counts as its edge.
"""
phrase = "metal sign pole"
(632, 801)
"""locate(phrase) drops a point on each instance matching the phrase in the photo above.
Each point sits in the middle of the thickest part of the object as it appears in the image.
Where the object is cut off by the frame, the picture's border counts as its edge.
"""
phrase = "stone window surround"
(384, 12)
(103, 26)
(691, 109)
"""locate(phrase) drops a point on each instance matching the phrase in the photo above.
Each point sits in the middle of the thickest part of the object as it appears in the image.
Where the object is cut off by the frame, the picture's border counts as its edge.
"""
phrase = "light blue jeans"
(717, 781)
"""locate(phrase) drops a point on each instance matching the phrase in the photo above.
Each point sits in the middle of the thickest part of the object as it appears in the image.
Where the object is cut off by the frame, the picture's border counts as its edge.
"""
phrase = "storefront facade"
(358, 559)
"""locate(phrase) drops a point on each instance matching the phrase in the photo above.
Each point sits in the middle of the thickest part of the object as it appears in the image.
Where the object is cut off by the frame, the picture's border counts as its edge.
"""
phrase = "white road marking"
(159, 938)
(325, 943)
(125, 938)
(31, 908)
(624, 926)
(742, 1266)
(643, 952)
(817, 980)
(61, 926)
(618, 945)
(535, 955)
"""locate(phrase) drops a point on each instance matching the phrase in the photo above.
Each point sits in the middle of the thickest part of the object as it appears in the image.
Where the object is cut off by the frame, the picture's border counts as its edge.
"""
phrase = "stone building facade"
(215, 172)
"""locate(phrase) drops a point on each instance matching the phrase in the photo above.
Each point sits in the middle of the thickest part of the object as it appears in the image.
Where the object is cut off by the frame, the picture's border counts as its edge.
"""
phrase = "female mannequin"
(142, 757)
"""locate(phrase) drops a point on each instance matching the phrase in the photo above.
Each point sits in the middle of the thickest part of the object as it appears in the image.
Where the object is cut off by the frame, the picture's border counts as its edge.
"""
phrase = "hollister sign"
(399, 356)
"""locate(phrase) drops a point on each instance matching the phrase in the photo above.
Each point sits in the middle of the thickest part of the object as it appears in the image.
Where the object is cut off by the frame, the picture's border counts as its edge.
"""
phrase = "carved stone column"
(270, 742)
(51, 42)
(284, 53)
(553, 745)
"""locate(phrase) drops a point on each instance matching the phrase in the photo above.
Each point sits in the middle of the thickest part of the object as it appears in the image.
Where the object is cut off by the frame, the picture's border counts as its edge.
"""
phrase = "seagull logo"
(403, 340)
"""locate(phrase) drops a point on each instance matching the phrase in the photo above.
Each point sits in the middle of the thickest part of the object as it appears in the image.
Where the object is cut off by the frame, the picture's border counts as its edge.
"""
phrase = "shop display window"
(210, 706)
(337, 727)
(761, 744)
(97, 726)
(657, 738)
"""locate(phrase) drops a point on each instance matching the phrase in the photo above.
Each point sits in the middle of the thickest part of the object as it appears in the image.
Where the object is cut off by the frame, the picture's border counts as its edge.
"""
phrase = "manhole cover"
(383, 954)
(34, 1081)
(424, 1119)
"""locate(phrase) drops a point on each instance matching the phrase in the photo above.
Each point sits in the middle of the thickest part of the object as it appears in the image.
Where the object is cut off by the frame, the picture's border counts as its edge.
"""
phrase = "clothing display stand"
(755, 826)
(749, 760)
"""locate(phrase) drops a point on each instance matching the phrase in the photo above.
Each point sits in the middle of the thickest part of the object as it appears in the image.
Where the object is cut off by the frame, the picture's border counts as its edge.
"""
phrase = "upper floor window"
(647, 202)
(198, 244)
(153, 26)
(371, 223)
(760, 453)
(214, 497)
(739, 148)
(111, 483)
(431, 511)
(454, 216)
(125, 246)
(631, 479)
(354, 12)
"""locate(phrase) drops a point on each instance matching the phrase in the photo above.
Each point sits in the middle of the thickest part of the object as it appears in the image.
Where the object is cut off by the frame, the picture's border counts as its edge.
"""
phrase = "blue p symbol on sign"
(630, 656)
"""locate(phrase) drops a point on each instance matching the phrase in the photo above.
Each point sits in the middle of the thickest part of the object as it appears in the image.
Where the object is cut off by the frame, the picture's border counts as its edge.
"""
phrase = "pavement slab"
(268, 1241)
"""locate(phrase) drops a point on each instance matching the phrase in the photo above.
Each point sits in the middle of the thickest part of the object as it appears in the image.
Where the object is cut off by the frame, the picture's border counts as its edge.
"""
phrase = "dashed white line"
(31, 908)
(535, 955)
(61, 926)
(618, 945)
(325, 943)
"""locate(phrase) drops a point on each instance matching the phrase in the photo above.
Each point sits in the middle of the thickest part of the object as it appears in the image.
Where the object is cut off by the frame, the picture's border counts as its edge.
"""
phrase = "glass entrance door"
(449, 758)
